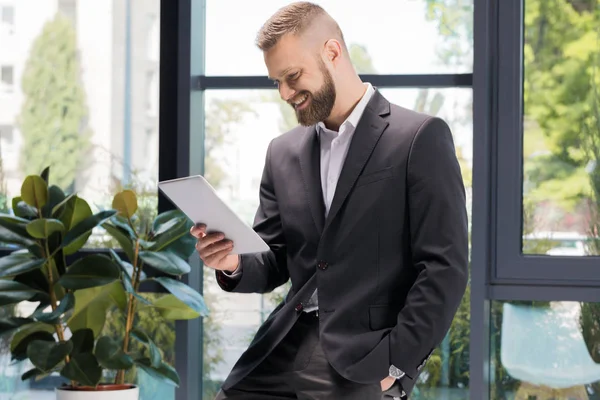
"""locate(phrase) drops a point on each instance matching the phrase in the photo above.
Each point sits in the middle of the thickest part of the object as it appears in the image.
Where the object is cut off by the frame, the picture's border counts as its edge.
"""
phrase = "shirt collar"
(356, 113)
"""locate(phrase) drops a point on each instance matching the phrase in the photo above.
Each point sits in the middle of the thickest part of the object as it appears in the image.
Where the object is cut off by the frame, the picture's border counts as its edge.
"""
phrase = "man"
(363, 207)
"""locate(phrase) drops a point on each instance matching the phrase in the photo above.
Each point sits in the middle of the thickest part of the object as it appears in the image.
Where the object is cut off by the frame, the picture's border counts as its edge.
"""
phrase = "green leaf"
(91, 306)
(18, 263)
(184, 247)
(125, 266)
(27, 330)
(12, 292)
(110, 354)
(184, 293)
(34, 191)
(125, 203)
(46, 355)
(83, 230)
(35, 280)
(59, 209)
(66, 304)
(163, 373)
(176, 239)
(83, 341)
(55, 196)
(32, 373)
(155, 356)
(170, 236)
(84, 369)
(122, 237)
(45, 175)
(75, 211)
(126, 277)
(127, 284)
(165, 262)
(145, 244)
(10, 324)
(123, 223)
(162, 228)
(13, 234)
(90, 271)
(14, 224)
(22, 209)
(42, 228)
(171, 308)
(60, 261)
(29, 333)
(165, 217)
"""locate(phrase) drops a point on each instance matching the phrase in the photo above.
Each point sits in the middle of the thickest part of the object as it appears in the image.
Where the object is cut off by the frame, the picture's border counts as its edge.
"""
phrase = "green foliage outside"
(53, 117)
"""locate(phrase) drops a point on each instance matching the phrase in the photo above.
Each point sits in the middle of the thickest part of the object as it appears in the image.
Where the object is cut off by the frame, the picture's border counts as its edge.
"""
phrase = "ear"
(332, 51)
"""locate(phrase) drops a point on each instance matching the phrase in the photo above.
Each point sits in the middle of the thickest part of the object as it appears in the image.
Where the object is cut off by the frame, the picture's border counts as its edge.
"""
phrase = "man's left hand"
(387, 383)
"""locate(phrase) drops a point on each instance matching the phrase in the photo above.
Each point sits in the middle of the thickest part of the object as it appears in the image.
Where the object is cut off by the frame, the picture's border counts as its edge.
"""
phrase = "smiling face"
(303, 79)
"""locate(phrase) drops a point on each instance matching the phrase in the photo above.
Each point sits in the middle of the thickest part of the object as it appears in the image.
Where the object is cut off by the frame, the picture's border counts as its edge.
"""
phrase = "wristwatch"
(396, 372)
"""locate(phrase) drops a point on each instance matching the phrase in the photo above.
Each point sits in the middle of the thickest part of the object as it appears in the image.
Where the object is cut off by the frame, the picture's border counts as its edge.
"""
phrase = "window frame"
(512, 266)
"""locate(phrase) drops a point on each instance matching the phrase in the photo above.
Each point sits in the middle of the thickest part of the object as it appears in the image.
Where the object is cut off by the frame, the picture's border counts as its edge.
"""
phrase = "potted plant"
(64, 333)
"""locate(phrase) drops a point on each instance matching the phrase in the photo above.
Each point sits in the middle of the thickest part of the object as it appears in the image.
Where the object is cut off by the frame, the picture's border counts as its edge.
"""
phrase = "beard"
(320, 103)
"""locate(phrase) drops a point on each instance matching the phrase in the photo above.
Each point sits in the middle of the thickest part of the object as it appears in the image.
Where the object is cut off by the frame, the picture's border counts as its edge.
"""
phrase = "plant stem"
(135, 275)
(53, 300)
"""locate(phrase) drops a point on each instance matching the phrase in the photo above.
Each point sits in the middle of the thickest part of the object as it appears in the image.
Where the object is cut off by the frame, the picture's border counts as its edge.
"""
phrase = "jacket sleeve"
(262, 272)
(439, 247)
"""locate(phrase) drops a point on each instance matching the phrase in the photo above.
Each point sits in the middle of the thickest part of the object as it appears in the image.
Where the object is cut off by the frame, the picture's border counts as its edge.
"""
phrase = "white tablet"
(197, 199)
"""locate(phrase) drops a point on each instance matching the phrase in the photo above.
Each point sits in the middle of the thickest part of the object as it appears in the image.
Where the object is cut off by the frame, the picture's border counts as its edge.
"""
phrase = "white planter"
(127, 394)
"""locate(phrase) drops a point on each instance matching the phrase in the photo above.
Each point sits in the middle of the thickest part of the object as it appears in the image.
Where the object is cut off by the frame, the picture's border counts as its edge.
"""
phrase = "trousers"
(298, 369)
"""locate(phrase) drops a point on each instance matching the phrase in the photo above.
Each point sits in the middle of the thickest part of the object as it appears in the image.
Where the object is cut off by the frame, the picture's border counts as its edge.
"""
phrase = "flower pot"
(102, 392)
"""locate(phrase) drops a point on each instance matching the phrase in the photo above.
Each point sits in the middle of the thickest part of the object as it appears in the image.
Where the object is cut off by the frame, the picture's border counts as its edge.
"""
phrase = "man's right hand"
(214, 249)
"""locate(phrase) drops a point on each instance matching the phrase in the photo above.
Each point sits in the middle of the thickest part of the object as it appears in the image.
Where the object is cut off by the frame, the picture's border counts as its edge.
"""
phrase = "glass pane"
(444, 29)
(160, 330)
(544, 350)
(239, 126)
(84, 97)
(561, 124)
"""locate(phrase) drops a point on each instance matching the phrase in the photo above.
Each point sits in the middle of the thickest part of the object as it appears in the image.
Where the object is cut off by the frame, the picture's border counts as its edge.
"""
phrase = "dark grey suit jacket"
(391, 259)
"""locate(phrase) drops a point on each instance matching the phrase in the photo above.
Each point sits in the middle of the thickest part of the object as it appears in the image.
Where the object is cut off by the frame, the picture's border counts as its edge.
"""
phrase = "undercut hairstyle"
(293, 19)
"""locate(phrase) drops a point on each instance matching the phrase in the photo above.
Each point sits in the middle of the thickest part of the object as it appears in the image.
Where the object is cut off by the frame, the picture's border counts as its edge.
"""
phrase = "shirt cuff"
(236, 273)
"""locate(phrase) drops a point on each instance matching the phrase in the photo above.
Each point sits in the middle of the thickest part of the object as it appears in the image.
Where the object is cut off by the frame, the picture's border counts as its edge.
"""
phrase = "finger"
(217, 257)
(208, 251)
(209, 240)
(198, 230)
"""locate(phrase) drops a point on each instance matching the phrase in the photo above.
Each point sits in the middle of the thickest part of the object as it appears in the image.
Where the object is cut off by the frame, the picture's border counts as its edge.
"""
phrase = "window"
(104, 127)
(7, 80)
(561, 129)
(547, 148)
(75, 76)
(7, 15)
(544, 350)
(153, 38)
(6, 136)
(152, 93)
(231, 28)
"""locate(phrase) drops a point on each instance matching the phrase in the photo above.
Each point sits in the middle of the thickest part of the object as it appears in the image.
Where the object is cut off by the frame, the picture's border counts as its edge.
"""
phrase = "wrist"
(235, 264)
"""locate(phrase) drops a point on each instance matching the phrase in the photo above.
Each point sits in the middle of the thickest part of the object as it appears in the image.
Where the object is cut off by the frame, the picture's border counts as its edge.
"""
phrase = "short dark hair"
(293, 18)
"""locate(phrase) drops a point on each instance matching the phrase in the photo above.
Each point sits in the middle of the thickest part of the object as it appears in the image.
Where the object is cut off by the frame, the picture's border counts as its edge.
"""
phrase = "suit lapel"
(310, 165)
(366, 136)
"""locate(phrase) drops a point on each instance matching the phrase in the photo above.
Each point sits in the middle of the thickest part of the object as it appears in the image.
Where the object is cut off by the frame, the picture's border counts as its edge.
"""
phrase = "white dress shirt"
(334, 148)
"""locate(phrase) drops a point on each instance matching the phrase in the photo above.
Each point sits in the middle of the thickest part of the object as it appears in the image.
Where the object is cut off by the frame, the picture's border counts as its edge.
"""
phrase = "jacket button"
(322, 265)
(299, 307)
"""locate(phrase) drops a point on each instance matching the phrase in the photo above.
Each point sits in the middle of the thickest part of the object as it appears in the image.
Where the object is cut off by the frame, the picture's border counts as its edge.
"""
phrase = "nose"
(286, 92)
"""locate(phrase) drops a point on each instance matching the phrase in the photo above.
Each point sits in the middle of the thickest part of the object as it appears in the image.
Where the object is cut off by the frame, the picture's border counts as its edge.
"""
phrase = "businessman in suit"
(363, 208)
